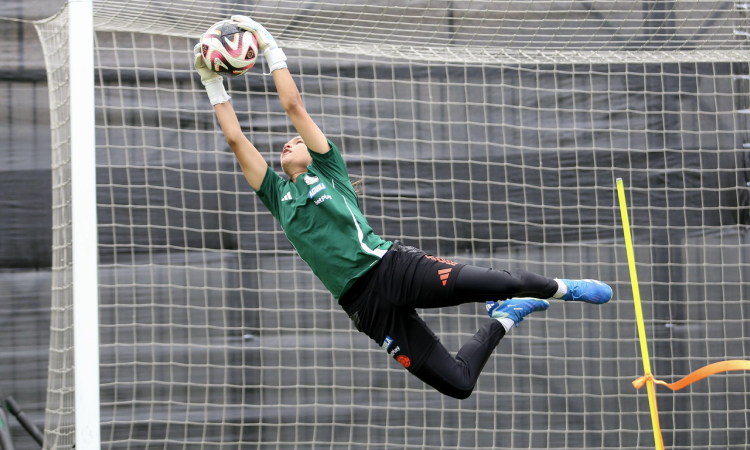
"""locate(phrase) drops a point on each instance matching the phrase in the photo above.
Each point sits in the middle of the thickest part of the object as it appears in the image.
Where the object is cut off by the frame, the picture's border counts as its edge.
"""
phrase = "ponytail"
(359, 186)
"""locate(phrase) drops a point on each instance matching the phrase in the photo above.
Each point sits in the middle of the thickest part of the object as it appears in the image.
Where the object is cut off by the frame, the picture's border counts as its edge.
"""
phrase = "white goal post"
(487, 132)
(84, 225)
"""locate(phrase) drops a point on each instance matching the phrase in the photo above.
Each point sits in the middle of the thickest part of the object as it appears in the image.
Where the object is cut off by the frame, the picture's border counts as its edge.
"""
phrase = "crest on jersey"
(310, 180)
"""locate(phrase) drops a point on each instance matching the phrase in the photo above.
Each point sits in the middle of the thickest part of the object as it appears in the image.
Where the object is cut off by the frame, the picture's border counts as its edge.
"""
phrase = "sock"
(562, 289)
(506, 323)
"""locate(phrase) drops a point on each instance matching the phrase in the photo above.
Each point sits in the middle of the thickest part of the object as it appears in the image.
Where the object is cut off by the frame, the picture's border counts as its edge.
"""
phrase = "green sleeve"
(270, 191)
(331, 164)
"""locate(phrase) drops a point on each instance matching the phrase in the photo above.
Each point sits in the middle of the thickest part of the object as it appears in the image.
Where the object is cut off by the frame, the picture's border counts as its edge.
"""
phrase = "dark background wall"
(25, 212)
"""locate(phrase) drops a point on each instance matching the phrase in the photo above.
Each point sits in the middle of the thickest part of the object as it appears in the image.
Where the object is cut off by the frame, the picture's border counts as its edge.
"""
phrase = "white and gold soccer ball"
(228, 50)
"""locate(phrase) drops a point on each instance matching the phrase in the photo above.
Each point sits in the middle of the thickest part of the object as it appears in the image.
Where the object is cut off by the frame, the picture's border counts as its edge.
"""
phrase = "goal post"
(487, 132)
(72, 413)
(84, 225)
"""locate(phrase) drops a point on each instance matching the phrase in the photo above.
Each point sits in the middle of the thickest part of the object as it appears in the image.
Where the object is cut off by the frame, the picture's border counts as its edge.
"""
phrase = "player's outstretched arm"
(285, 86)
(295, 109)
(252, 163)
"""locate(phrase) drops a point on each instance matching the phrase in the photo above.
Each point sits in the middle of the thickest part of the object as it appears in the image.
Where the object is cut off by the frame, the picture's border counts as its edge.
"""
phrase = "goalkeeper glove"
(213, 82)
(266, 43)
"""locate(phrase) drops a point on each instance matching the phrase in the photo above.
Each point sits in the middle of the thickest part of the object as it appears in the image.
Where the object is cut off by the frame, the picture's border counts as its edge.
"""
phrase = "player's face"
(295, 157)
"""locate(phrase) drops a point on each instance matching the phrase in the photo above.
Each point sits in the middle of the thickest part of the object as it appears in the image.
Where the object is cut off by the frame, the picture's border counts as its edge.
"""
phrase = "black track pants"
(478, 284)
(383, 303)
(457, 376)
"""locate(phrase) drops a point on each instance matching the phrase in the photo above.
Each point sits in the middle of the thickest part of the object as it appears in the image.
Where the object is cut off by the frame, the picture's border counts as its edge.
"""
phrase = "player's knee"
(460, 394)
(460, 390)
(463, 395)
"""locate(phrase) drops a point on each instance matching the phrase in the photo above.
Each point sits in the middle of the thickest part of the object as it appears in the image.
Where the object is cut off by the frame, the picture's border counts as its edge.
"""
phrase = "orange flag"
(703, 372)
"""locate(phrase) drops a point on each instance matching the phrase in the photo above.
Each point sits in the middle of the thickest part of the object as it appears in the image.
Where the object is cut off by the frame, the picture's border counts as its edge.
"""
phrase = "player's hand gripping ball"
(229, 50)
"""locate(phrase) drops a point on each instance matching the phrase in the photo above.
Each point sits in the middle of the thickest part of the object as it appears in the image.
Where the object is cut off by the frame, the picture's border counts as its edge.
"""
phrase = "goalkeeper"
(378, 283)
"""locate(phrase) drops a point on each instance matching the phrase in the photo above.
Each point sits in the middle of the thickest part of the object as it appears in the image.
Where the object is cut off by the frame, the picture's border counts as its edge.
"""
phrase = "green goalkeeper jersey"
(320, 216)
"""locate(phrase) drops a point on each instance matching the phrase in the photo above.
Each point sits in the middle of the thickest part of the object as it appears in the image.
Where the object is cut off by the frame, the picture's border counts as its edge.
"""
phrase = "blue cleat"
(589, 291)
(516, 308)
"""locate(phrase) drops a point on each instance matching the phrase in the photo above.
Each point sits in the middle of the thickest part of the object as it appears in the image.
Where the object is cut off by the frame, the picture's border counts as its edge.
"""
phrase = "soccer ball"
(228, 50)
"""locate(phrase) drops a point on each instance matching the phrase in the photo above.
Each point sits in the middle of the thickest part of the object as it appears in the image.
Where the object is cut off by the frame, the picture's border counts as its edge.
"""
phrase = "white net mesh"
(214, 334)
(59, 419)
(504, 31)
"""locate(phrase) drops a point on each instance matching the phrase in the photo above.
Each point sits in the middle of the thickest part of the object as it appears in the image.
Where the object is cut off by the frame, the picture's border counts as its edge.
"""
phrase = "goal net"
(489, 133)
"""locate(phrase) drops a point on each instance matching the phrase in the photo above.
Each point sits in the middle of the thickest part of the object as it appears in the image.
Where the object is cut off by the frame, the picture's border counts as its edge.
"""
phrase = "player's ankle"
(562, 289)
(506, 322)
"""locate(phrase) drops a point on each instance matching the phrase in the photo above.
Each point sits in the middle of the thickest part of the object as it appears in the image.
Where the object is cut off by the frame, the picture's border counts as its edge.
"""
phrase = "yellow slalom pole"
(639, 318)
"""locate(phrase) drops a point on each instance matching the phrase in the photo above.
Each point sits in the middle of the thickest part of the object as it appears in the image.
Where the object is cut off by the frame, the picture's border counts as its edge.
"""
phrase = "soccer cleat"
(589, 291)
(516, 308)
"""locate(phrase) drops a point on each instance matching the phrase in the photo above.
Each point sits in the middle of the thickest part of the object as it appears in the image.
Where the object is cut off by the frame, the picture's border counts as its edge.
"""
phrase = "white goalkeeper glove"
(213, 82)
(266, 43)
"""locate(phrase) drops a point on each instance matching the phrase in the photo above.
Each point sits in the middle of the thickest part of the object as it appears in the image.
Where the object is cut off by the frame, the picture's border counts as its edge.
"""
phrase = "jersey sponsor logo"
(287, 196)
(442, 260)
(316, 189)
(310, 180)
(322, 199)
(444, 274)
